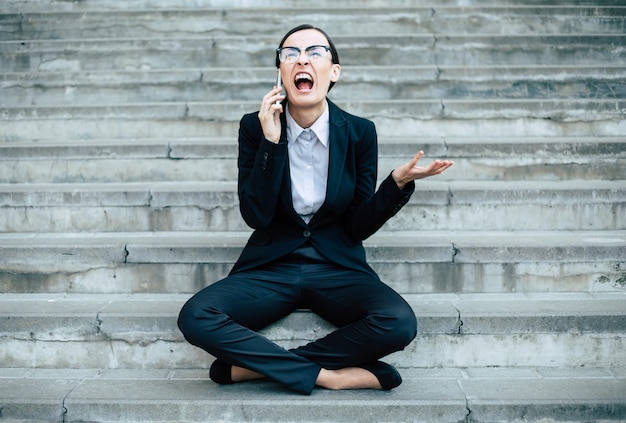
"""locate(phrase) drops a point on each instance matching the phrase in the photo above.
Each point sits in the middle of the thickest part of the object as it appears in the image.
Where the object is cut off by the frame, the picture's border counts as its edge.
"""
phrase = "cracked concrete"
(455, 251)
(446, 394)
(126, 253)
(459, 323)
(500, 330)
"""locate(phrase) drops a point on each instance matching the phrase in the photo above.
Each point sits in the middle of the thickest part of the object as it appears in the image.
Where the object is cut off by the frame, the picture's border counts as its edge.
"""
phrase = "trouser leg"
(372, 319)
(223, 319)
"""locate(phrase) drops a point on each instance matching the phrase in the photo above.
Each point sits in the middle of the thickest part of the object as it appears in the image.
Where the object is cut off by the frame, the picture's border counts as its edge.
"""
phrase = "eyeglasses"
(291, 54)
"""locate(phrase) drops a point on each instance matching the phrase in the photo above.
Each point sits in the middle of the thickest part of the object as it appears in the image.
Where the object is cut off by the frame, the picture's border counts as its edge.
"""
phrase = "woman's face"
(307, 81)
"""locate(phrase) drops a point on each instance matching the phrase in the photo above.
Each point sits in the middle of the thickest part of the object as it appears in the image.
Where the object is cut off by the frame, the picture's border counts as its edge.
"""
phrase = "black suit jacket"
(353, 209)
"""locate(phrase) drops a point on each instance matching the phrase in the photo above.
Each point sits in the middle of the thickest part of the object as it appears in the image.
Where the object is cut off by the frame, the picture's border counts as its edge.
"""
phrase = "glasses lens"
(289, 54)
(316, 52)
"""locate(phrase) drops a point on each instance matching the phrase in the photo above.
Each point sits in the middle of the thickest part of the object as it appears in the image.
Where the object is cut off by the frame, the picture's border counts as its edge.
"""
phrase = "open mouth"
(304, 82)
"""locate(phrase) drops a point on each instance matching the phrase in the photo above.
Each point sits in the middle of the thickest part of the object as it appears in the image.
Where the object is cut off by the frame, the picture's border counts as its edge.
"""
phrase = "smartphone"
(279, 83)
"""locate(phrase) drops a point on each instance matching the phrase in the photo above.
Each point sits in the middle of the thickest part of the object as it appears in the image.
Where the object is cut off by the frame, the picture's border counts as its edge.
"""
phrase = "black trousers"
(372, 319)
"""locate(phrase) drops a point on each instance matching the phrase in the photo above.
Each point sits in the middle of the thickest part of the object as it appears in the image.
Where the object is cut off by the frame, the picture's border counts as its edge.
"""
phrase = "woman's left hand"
(411, 171)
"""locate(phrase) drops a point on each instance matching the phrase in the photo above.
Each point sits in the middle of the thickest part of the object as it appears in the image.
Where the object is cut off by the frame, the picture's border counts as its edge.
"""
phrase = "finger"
(272, 96)
(277, 109)
(268, 111)
(274, 91)
(416, 158)
(277, 93)
(275, 101)
(441, 167)
(435, 168)
(446, 165)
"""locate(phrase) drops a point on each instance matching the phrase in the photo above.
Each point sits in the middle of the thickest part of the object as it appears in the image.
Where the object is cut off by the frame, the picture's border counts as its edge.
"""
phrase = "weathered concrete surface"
(469, 330)
(118, 133)
(431, 395)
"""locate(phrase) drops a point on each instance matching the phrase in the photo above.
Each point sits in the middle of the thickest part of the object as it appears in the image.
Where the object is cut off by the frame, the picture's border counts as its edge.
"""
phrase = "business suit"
(328, 271)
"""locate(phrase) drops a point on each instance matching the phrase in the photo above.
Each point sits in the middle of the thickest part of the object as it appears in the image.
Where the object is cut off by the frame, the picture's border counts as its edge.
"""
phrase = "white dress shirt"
(308, 164)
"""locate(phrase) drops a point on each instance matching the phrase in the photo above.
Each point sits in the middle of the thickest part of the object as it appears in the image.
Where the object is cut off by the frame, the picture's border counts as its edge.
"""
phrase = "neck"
(306, 116)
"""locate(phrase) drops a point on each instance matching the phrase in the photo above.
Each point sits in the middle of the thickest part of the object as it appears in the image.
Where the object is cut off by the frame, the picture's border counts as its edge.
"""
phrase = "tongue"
(305, 85)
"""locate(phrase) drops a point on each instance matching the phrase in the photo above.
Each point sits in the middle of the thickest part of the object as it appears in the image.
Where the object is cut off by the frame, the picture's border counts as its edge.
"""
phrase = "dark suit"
(328, 272)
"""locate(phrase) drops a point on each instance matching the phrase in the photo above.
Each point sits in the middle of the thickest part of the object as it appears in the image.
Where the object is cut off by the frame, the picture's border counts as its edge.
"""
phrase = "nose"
(303, 57)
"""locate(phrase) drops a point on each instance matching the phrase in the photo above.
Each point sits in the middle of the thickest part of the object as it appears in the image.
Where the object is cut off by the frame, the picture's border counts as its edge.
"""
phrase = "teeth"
(303, 77)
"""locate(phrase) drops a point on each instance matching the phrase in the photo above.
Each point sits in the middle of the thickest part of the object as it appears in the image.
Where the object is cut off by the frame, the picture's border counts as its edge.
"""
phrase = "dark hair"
(333, 49)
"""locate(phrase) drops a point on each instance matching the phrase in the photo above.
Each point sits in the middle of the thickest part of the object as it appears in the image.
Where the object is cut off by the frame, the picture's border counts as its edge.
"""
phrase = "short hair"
(333, 49)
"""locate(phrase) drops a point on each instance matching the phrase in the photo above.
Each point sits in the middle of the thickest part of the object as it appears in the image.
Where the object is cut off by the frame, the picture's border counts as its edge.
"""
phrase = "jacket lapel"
(338, 144)
(285, 196)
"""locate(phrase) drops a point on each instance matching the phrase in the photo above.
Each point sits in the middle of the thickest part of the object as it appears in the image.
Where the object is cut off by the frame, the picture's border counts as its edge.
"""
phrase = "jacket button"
(306, 233)
(265, 157)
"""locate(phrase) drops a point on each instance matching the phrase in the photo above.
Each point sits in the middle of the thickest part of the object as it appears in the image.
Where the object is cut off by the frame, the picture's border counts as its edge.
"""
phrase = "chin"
(310, 98)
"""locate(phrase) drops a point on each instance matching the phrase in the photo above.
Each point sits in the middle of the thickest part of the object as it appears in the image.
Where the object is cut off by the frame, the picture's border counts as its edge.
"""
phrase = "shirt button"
(306, 233)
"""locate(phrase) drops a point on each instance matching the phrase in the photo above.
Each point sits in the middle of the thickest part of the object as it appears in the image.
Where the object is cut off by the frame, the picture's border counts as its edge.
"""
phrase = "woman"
(306, 185)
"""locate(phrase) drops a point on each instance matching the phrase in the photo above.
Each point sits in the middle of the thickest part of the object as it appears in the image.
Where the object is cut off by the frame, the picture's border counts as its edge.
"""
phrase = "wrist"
(399, 181)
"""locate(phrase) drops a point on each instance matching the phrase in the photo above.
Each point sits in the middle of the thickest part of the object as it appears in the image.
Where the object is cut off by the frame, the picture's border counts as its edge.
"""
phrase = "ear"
(335, 72)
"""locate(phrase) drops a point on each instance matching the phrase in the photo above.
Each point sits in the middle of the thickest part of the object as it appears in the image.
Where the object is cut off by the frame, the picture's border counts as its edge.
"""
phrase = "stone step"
(426, 395)
(58, 124)
(411, 262)
(512, 20)
(214, 159)
(17, 6)
(478, 330)
(426, 118)
(214, 206)
(125, 108)
(357, 83)
(375, 49)
(231, 111)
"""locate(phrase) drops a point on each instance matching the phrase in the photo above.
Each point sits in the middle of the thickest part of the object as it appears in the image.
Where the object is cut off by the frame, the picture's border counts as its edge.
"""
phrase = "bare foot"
(348, 378)
(240, 374)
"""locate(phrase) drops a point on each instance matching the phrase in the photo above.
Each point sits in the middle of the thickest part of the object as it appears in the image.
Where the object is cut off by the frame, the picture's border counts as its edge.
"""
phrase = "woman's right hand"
(269, 114)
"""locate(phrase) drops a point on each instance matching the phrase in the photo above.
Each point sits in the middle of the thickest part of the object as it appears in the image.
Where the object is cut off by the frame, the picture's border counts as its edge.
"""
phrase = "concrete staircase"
(118, 125)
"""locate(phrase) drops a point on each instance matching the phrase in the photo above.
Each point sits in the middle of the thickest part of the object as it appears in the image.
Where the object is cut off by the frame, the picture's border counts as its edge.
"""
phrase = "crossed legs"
(373, 321)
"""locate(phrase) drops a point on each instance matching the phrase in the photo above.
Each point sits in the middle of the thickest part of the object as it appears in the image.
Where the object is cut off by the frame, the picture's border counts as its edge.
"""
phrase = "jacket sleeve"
(261, 166)
(371, 209)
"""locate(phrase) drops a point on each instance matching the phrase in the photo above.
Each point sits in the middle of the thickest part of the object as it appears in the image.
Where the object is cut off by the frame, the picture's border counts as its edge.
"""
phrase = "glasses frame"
(306, 51)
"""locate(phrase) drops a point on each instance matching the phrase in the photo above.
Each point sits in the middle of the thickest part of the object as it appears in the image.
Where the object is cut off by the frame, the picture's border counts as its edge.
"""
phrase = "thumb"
(416, 158)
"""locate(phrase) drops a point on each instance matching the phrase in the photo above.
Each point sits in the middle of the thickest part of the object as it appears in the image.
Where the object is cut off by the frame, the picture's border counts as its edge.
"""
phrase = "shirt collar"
(321, 127)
